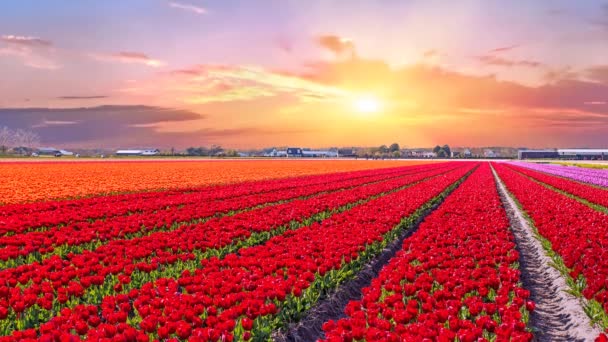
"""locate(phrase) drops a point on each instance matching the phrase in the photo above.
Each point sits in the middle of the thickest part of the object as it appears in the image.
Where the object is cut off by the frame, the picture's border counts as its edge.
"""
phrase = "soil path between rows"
(310, 327)
(558, 316)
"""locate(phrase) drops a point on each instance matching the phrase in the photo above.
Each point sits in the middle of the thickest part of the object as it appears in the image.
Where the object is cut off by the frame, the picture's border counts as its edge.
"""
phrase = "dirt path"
(558, 316)
(332, 307)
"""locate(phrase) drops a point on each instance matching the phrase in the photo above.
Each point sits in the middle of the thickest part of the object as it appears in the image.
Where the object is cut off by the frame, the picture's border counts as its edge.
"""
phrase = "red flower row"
(588, 192)
(454, 278)
(20, 218)
(187, 208)
(56, 280)
(233, 295)
(576, 231)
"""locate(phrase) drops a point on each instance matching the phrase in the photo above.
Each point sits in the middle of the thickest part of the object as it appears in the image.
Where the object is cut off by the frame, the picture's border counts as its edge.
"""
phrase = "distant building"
(276, 153)
(489, 154)
(347, 152)
(48, 151)
(565, 153)
(297, 152)
(319, 154)
(51, 151)
(583, 153)
(455, 154)
(294, 152)
(429, 155)
(538, 154)
(145, 152)
(467, 153)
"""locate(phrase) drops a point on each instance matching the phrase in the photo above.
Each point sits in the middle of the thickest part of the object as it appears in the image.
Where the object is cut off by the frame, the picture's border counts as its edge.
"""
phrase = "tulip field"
(254, 250)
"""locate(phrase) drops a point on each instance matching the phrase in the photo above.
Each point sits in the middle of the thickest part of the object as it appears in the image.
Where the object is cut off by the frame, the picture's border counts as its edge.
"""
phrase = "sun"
(367, 104)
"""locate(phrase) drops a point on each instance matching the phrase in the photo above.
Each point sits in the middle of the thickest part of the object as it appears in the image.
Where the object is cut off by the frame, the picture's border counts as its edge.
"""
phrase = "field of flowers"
(239, 251)
(44, 180)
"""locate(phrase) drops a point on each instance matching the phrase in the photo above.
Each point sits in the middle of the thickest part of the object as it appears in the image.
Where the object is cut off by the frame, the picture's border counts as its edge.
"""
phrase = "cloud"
(217, 83)
(33, 52)
(597, 73)
(102, 126)
(26, 40)
(558, 74)
(46, 123)
(132, 127)
(337, 45)
(128, 57)
(504, 49)
(86, 97)
(506, 62)
(188, 7)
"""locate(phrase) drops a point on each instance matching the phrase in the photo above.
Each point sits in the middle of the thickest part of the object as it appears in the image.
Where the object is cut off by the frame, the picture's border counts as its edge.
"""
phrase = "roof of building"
(582, 150)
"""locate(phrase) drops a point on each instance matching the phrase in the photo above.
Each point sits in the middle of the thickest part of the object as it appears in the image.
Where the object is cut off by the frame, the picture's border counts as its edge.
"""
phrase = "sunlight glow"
(367, 104)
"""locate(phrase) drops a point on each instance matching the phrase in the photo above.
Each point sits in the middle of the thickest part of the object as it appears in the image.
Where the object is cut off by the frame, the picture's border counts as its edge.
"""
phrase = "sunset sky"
(314, 73)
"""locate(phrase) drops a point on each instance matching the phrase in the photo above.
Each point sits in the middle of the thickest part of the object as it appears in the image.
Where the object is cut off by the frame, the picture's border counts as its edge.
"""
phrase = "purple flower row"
(591, 176)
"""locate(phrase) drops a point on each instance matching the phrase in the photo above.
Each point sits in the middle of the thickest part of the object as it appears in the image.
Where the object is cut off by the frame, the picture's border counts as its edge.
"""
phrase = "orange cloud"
(202, 84)
(339, 46)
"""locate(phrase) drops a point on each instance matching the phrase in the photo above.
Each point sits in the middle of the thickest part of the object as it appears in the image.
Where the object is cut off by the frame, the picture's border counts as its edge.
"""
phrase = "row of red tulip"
(36, 246)
(590, 193)
(19, 218)
(249, 293)
(456, 277)
(576, 232)
(35, 289)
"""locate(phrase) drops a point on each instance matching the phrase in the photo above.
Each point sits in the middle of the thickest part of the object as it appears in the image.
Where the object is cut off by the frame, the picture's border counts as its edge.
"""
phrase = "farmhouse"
(145, 152)
(294, 152)
(51, 151)
(319, 154)
(297, 152)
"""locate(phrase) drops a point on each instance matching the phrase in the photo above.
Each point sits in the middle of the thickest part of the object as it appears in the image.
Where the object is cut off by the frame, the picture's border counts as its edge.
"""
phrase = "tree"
(232, 153)
(215, 149)
(447, 150)
(27, 139)
(383, 149)
(396, 154)
(196, 151)
(436, 149)
(7, 139)
(394, 147)
(442, 153)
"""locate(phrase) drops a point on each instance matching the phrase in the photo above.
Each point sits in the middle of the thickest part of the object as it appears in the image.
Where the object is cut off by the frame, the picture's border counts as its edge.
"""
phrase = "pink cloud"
(25, 40)
(506, 62)
(504, 49)
(128, 57)
(33, 52)
(188, 7)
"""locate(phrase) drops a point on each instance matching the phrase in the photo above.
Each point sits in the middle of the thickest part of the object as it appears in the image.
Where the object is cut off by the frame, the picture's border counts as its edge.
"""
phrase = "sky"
(315, 73)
